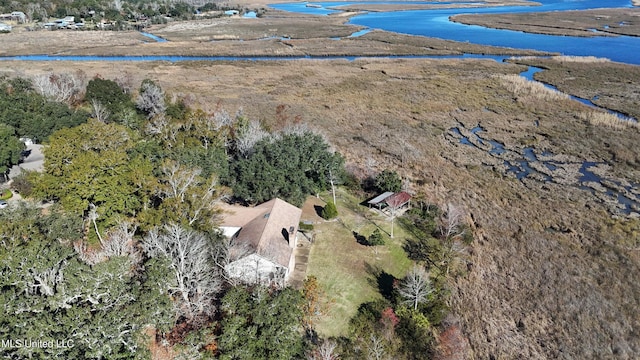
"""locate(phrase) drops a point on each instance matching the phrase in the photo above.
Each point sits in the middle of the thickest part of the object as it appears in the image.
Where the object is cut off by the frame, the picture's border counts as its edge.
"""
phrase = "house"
(263, 242)
(398, 200)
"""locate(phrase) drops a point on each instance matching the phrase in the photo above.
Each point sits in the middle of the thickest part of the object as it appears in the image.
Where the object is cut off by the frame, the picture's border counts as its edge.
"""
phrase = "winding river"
(436, 23)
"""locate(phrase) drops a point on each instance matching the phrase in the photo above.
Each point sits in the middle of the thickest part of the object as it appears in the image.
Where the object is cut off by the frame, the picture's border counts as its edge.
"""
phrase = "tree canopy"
(90, 165)
(31, 114)
(290, 167)
(261, 325)
(10, 148)
(49, 294)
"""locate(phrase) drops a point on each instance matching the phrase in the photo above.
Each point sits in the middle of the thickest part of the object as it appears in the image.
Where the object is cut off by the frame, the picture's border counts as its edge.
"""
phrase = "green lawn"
(343, 267)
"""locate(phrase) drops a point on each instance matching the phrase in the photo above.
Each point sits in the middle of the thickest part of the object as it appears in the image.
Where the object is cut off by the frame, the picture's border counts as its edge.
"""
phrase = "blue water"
(154, 37)
(533, 70)
(436, 23)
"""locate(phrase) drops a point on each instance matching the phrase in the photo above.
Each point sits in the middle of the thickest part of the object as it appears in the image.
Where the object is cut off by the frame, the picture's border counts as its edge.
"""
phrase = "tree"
(187, 197)
(195, 278)
(261, 325)
(10, 148)
(64, 87)
(248, 136)
(47, 294)
(109, 94)
(388, 180)
(151, 99)
(325, 351)
(32, 115)
(451, 221)
(311, 306)
(90, 165)
(376, 238)
(289, 167)
(99, 111)
(329, 211)
(416, 287)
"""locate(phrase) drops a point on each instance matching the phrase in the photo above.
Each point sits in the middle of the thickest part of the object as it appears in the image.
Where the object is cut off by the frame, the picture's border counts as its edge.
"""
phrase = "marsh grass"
(524, 88)
(609, 120)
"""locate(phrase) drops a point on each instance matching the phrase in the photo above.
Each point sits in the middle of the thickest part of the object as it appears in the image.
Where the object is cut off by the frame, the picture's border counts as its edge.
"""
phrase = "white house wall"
(255, 269)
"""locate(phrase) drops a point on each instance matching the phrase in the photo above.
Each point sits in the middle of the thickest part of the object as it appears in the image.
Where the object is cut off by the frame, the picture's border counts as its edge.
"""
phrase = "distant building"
(19, 16)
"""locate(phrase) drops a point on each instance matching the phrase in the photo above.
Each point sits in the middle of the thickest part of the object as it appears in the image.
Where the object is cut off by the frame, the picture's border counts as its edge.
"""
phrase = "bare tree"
(64, 87)
(416, 287)
(195, 196)
(325, 351)
(93, 216)
(99, 111)
(151, 99)
(178, 179)
(126, 82)
(450, 223)
(375, 348)
(249, 137)
(196, 280)
(222, 118)
(227, 251)
(119, 241)
(157, 125)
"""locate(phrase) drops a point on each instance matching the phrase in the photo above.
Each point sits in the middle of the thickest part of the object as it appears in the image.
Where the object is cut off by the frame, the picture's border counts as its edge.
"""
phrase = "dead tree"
(195, 279)
(416, 287)
(249, 137)
(99, 111)
(151, 99)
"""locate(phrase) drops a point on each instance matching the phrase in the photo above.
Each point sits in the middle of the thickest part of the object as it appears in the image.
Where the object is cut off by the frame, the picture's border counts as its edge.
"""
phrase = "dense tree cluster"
(131, 246)
(50, 294)
(10, 148)
(34, 115)
(289, 166)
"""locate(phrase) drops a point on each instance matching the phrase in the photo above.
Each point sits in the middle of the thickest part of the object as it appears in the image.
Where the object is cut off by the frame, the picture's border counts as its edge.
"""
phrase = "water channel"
(436, 23)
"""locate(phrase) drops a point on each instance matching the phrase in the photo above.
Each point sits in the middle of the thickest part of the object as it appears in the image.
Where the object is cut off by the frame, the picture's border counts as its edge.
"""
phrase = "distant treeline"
(113, 11)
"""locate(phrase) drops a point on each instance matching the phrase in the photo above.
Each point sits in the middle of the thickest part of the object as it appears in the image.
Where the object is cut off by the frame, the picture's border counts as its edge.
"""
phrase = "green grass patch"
(5, 194)
(344, 267)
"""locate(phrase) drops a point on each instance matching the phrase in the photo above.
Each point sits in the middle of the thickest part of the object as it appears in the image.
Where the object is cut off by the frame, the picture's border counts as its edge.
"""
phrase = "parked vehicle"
(3, 204)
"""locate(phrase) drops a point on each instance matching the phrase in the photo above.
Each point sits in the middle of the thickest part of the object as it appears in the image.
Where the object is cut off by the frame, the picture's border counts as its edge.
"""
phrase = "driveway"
(33, 162)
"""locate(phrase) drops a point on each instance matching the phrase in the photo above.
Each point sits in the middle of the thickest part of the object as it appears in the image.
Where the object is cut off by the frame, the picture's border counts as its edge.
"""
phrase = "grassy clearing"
(345, 268)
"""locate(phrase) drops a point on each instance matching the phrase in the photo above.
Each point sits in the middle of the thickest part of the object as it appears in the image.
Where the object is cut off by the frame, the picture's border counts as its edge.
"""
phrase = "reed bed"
(598, 118)
(523, 87)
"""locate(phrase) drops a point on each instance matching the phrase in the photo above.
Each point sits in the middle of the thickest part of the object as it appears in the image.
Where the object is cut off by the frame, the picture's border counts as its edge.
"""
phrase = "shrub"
(375, 239)
(22, 184)
(330, 211)
(5, 194)
(388, 180)
(305, 227)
